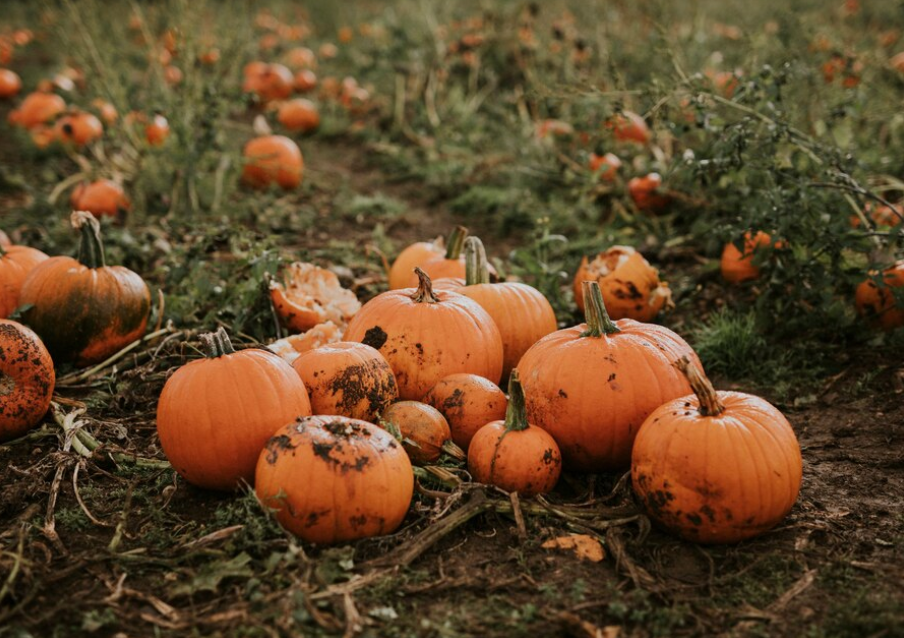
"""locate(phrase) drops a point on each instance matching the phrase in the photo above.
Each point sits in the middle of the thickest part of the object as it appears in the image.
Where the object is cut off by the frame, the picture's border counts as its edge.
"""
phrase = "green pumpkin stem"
(456, 242)
(217, 344)
(515, 415)
(476, 269)
(424, 292)
(598, 321)
(91, 249)
(706, 394)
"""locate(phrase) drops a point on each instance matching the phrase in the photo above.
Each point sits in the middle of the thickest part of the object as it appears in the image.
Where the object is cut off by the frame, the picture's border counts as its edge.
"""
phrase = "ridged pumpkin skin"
(878, 304)
(26, 379)
(347, 378)
(468, 401)
(421, 424)
(414, 255)
(717, 479)
(216, 414)
(16, 262)
(272, 158)
(427, 335)
(332, 479)
(592, 393)
(630, 285)
(85, 312)
(737, 266)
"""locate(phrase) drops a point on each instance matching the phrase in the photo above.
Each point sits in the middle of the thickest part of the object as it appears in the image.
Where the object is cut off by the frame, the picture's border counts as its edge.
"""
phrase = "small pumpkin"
(593, 385)
(347, 378)
(423, 429)
(39, 107)
(10, 84)
(513, 454)
(427, 335)
(157, 130)
(269, 82)
(628, 126)
(521, 312)
(26, 379)
(78, 128)
(414, 255)
(468, 401)
(83, 309)
(647, 194)
(737, 266)
(605, 166)
(331, 479)
(630, 285)
(299, 115)
(310, 296)
(272, 159)
(102, 197)
(718, 467)
(15, 264)
(305, 81)
(878, 304)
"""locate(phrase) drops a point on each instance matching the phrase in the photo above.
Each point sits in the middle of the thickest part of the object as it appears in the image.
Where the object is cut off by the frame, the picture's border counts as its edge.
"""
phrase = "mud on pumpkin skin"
(630, 285)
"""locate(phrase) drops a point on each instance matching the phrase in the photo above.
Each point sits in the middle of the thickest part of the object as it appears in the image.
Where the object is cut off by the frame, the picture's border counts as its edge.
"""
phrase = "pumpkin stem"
(453, 450)
(217, 343)
(476, 269)
(515, 416)
(424, 292)
(456, 242)
(706, 394)
(91, 250)
(598, 321)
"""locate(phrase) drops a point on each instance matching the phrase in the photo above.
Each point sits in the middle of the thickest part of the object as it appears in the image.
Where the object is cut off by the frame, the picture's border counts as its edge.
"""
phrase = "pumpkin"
(522, 314)
(348, 379)
(880, 215)
(299, 115)
(300, 57)
(216, 413)
(629, 127)
(172, 75)
(78, 128)
(877, 303)
(310, 296)
(605, 166)
(468, 402)
(718, 467)
(272, 159)
(102, 197)
(107, 111)
(736, 266)
(592, 386)
(450, 264)
(414, 255)
(331, 479)
(269, 82)
(423, 429)
(5, 240)
(37, 108)
(304, 81)
(427, 335)
(26, 379)
(550, 129)
(646, 193)
(513, 454)
(630, 285)
(157, 130)
(10, 84)
(83, 309)
(15, 264)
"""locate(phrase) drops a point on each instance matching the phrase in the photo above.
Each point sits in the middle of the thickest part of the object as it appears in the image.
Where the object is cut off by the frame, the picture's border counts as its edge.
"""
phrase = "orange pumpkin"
(522, 314)
(424, 431)
(270, 82)
(877, 303)
(157, 130)
(10, 84)
(605, 166)
(718, 467)
(272, 159)
(736, 266)
(299, 115)
(37, 108)
(15, 264)
(349, 379)
(300, 57)
(331, 479)
(216, 413)
(468, 402)
(311, 296)
(304, 81)
(513, 454)
(594, 417)
(630, 127)
(78, 128)
(451, 264)
(880, 215)
(414, 255)
(646, 193)
(26, 379)
(107, 111)
(631, 286)
(427, 335)
(102, 197)
(83, 309)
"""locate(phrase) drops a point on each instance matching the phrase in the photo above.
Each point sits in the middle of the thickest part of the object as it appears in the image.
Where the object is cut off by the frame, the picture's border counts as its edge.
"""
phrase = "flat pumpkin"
(26, 379)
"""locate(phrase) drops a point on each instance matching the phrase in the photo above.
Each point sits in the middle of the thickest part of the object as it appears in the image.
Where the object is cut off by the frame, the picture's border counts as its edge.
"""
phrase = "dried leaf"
(584, 546)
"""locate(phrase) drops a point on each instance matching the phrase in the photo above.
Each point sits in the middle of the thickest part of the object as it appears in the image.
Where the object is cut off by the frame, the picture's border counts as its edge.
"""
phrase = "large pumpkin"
(332, 479)
(717, 467)
(15, 264)
(26, 379)
(83, 309)
(427, 335)
(215, 414)
(592, 386)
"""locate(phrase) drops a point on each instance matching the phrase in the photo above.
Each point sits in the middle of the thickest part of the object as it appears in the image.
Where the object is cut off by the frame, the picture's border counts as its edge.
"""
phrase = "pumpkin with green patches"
(83, 309)
(26, 379)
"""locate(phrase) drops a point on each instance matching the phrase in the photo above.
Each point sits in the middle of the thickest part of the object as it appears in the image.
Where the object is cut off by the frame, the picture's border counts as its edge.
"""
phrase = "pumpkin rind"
(630, 285)
(468, 401)
(16, 262)
(26, 379)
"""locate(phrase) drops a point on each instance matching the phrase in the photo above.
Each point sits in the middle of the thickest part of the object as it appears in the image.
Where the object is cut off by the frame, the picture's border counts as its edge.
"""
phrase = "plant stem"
(706, 394)
(217, 343)
(515, 417)
(91, 250)
(476, 269)
(598, 321)
(456, 242)
(424, 292)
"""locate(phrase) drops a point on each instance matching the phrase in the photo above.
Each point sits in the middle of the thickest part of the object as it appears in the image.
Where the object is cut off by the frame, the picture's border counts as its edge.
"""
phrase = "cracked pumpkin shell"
(310, 296)
(630, 285)
(363, 478)
(26, 379)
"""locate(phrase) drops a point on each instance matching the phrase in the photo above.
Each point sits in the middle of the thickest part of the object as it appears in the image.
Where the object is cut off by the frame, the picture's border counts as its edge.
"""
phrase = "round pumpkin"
(299, 115)
(414, 255)
(216, 413)
(521, 312)
(737, 266)
(157, 130)
(83, 309)
(26, 379)
(427, 335)
(423, 430)
(347, 378)
(78, 128)
(592, 386)
(718, 467)
(37, 108)
(449, 265)
(15, 264)
(630, 285)
(102, 197)
(513, 454)
(269, 82)
(877, 303)
(331, 479)
(468, 401)
(10, 84)
(304, 81)
(272, 159)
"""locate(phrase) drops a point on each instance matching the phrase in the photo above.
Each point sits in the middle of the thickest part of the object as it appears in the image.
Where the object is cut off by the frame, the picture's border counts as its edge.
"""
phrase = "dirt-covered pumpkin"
(347, 378)
(427, 335)
(26, 379)
(216, 413)
(877, 302)
(16, 262)
(592, 386)
(83, 309)
(423, 429)
(272, 159)
(331, 479)
(718, 467)
(630, 285)
(468, 401)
